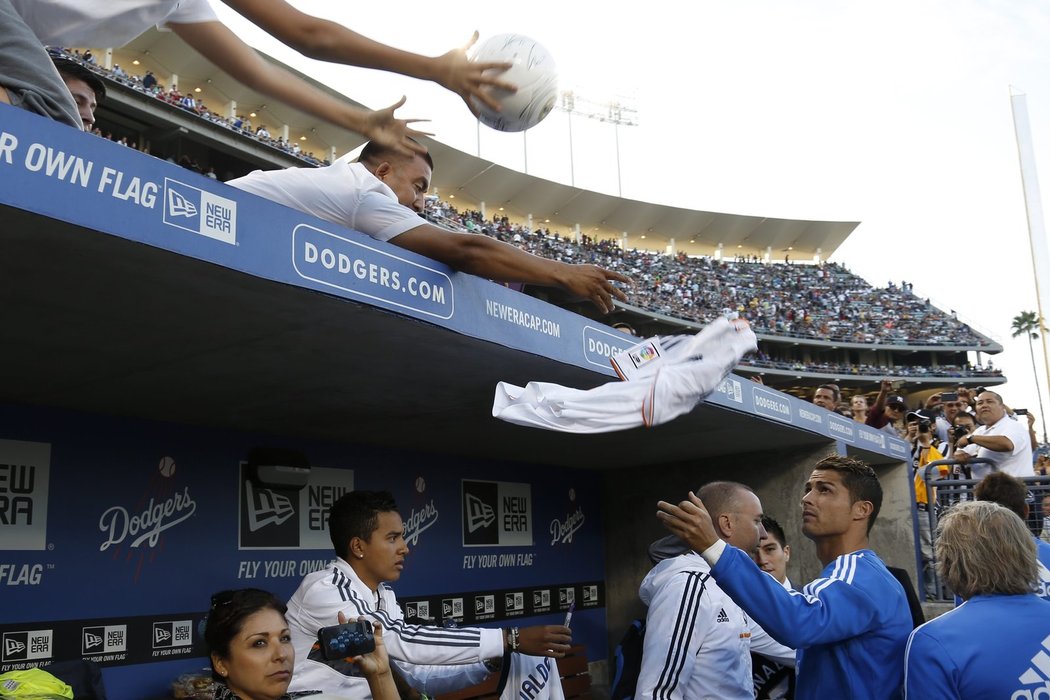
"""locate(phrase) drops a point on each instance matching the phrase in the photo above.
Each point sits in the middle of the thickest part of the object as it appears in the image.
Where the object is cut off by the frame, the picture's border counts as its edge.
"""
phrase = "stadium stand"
(824, 302)
(239, 124)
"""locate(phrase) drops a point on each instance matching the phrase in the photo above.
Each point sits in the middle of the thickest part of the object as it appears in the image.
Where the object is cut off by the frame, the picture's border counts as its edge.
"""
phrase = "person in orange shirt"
(920, 435)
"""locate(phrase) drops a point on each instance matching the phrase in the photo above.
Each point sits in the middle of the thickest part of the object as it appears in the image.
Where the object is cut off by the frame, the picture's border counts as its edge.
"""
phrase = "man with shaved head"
(697, 640)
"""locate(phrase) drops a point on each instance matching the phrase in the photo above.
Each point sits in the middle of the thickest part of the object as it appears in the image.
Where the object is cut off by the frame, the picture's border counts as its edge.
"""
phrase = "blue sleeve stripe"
(678, 650)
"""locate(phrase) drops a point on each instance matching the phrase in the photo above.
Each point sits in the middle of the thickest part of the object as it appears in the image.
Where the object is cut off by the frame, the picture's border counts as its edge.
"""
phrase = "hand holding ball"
(532, 70)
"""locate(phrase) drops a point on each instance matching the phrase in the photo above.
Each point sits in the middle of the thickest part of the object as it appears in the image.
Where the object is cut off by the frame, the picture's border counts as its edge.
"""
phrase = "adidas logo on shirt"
(1038, 674)
(722, 617)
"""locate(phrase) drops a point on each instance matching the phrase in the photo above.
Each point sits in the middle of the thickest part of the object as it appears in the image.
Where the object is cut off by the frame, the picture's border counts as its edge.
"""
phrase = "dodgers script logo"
(199, 211)
(419, 521)
(562, 532)
(145, 527)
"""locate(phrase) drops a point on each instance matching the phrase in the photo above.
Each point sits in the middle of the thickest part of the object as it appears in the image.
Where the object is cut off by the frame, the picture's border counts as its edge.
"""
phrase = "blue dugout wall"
(115, 532)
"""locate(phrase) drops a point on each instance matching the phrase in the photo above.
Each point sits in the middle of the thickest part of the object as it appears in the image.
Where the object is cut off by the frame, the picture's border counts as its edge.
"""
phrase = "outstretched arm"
(835, 611)
(884, 392)
(329, 41)
(216, 42)
(486, 257)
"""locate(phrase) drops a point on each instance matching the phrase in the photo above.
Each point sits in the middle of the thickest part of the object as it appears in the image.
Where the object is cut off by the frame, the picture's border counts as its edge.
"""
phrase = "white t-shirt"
(106, 23)
(344, 193)
(1015, 463)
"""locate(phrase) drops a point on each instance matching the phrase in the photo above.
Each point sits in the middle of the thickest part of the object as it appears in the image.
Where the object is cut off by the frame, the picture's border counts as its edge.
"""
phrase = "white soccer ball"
(533, 71)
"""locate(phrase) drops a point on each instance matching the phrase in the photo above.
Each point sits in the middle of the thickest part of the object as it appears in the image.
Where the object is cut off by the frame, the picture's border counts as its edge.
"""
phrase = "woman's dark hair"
(229, 610)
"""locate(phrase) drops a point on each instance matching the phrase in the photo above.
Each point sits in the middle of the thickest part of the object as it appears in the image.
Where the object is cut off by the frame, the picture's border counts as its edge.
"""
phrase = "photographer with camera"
(943, 407)
(920, 435)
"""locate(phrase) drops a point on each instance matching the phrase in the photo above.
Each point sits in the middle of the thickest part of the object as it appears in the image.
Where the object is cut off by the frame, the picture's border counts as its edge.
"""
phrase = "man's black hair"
(356, 514)
(1004, 489)
(775, 531)
(833, 388)
(374, 154)
(67, 67)
(859, 479)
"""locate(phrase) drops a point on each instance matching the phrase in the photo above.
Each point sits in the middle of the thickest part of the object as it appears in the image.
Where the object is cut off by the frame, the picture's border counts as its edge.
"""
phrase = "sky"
(896, 114)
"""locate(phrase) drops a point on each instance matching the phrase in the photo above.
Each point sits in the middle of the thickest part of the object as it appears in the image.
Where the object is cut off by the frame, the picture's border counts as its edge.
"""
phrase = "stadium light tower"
(619, 111)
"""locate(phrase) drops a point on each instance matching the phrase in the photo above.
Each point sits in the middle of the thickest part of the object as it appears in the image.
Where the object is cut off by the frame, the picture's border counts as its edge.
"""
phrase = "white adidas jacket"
(433, 659)
(697, 640)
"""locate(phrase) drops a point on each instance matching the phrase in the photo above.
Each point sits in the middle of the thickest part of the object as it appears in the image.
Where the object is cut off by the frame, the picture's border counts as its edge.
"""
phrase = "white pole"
(1036, 231)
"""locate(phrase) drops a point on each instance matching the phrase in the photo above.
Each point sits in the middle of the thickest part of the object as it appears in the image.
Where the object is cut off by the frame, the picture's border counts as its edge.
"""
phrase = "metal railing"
(942, 494)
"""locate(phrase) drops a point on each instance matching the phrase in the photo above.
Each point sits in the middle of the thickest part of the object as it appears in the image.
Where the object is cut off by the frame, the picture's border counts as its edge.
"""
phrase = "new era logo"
(199, 211)
(92, 642)
(25, 646)
(479, 513)
(452, 607)
(266, 507)
(179, 205)
(172, 634)
(103, 640)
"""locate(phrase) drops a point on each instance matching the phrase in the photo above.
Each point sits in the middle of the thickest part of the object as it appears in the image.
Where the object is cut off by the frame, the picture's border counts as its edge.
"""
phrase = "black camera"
(924, 425)
(347, 640)
(959, 431)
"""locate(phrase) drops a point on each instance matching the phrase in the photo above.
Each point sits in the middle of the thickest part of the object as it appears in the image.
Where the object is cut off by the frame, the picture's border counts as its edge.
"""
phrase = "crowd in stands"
(148, 84)
(763, 361)
(825, 302)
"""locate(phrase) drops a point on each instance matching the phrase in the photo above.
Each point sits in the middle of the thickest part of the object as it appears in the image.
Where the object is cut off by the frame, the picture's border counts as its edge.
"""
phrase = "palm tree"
(1029, 323)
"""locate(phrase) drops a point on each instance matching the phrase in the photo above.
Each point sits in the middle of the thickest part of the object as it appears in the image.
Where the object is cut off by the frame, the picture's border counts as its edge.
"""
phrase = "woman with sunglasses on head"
(251, 650)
